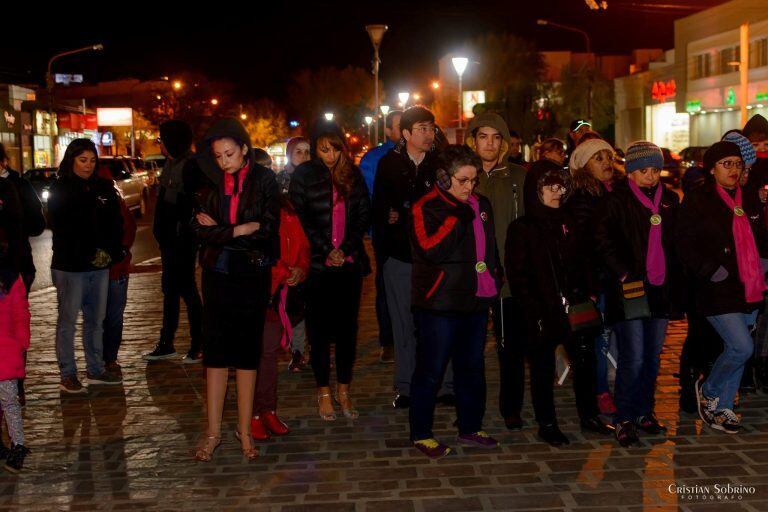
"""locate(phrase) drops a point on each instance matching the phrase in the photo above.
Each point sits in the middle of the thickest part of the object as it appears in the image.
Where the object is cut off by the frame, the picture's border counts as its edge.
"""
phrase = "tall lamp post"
(368, 121)
(589, 56)
(460, 64)
(376, 33)
(403, 97)
(49, 83)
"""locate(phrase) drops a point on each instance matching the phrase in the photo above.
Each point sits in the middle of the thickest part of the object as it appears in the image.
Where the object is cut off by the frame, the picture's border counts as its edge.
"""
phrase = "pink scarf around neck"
(229, 190)
(486, 286)
(747, 257)
(655, 263)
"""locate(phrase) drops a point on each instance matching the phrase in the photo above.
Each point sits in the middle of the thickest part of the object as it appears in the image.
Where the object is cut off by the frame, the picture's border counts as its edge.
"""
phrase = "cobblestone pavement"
(129, 447)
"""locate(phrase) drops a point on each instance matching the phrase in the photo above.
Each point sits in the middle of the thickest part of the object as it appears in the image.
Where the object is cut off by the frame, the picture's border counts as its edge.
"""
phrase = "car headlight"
(46, 195)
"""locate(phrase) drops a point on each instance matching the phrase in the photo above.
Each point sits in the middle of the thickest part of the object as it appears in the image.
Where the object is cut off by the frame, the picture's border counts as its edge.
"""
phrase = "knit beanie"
(642, 154)
(747, 151)
(585, 151)
(718, 151)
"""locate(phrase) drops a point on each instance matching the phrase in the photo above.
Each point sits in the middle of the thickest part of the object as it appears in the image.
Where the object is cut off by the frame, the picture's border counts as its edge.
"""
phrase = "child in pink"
(14, 343)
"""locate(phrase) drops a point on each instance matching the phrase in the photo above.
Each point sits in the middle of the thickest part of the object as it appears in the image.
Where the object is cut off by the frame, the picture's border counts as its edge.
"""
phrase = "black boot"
(551, 434)
(15, 461)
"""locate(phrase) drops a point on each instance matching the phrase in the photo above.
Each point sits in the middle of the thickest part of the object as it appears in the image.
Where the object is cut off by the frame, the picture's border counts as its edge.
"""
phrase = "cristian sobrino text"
(706, 489)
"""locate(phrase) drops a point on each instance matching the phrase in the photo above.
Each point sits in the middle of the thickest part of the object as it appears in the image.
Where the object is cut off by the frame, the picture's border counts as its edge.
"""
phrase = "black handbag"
(635, 301)
(581, 316)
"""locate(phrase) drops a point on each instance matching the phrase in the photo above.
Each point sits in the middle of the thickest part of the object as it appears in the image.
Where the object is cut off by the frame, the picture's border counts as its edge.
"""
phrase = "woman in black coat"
(332, 202)
(237, 219)
(635, 242)
(723, 243)
(547, 274)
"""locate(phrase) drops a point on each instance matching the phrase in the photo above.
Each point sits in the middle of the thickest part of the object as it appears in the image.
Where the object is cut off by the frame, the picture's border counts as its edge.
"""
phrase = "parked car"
(131, 178)
(673, 170)
(41, 180)
(156, 164)
(693, 156)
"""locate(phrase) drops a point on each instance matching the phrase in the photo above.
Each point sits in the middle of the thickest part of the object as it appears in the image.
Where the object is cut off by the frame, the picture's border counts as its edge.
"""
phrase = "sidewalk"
(129, 447)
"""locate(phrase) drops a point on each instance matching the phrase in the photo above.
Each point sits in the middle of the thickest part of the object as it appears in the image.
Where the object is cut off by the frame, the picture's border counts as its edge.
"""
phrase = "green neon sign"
(762, 96)
(693, 106)
(730, 98)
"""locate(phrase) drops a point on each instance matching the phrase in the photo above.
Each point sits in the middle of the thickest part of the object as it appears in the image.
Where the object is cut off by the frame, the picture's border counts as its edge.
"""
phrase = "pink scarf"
(747, 257)
(287, 327)
(338, 223)
(655, 264)
(229, 190)
(486, 286)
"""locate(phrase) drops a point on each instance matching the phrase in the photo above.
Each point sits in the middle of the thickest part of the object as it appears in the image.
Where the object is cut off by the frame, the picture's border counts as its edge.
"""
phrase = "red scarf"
(229, 190)
(747, 257)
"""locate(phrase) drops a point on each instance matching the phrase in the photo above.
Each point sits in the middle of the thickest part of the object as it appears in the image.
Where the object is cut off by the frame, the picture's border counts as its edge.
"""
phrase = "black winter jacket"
(259, 202)
(311, 194)
(84, 216)
(33, 222)
(544, 264)
(444, 278)
(398, 184)
(172, 220)
(621, 235)
(705, 242)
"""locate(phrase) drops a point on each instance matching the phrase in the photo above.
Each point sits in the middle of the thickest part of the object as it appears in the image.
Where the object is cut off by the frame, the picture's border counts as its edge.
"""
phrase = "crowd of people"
(571, 249)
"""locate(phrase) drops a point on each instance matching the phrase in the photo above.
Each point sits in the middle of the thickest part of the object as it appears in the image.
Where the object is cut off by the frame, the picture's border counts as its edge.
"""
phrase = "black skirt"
(234, 309)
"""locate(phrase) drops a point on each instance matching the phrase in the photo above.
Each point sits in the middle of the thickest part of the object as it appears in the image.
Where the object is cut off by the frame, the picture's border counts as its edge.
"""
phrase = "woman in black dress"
(237, 219)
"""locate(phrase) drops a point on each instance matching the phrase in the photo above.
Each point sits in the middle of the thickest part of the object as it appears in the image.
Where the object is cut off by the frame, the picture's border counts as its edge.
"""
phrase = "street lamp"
(177, 85)
(589, 56)
(243, 116)
(384, 111)
(435, 85)
(214, 101)
(49, 83)
(460, 64)
(403, 97)
(368, 121)
(329, 116)
(376, 33)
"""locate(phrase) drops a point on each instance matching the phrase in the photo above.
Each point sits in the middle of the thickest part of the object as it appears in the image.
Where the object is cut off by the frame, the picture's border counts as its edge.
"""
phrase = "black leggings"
(333, 302)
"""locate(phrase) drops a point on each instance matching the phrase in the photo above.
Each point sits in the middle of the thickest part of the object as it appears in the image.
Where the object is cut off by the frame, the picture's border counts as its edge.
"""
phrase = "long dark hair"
(76, 148)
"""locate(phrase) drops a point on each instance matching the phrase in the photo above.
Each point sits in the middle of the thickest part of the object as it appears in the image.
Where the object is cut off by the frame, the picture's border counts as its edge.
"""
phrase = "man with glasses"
(404, 175)
(502, 183)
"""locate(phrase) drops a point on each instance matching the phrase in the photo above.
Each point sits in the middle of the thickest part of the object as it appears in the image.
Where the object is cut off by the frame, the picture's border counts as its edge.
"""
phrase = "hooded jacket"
(444, 279)
(622, 228)
(543, 262)
(259, 202)
(399, 183)
(503, 185)
(758, 175)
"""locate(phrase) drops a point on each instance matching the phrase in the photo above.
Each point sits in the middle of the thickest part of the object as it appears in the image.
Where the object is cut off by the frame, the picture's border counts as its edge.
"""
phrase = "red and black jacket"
(443, 241)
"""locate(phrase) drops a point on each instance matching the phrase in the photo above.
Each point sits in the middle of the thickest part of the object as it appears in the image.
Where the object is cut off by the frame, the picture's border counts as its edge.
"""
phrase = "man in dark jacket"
(178, 248)
(368, 166)
(502, 183)
(404, 175)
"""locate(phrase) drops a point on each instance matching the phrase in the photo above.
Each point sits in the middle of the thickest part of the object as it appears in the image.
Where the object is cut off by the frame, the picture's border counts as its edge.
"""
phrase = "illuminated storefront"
(42, 145)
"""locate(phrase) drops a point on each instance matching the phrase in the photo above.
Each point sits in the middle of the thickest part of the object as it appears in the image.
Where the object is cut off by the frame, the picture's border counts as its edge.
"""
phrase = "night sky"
(259, 48)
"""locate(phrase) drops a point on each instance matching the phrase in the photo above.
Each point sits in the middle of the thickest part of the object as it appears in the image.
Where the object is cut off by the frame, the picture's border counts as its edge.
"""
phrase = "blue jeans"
(723, 381)
(640, 343)
(602, 343)
(113, 321)
(442, 338)
(76, 291)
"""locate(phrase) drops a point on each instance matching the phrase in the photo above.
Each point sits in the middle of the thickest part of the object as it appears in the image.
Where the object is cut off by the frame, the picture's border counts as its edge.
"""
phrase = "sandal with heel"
(350, 412)
(207, 446)
(249, 453)
(331, 416)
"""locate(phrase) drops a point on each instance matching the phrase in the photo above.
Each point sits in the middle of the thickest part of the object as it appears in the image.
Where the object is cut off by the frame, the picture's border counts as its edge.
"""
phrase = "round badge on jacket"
(481, 267)
(656, 219)
(739, 211)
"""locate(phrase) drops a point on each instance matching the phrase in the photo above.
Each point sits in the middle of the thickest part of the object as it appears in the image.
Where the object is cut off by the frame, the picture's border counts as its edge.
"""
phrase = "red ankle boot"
(258, 429)
(274, 424)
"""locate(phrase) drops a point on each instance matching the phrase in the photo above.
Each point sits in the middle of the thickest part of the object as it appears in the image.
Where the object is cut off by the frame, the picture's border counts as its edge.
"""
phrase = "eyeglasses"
(463, 181)
(424, 129)
(557, 189)
(730, 164)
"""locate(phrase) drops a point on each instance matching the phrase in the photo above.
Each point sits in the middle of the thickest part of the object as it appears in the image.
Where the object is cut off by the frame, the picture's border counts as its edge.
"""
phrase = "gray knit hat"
(642, 154)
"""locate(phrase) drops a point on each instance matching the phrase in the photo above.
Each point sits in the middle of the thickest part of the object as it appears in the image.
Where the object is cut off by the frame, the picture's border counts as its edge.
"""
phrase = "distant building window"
(727, 56)
(758, 53)
(701, 66)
